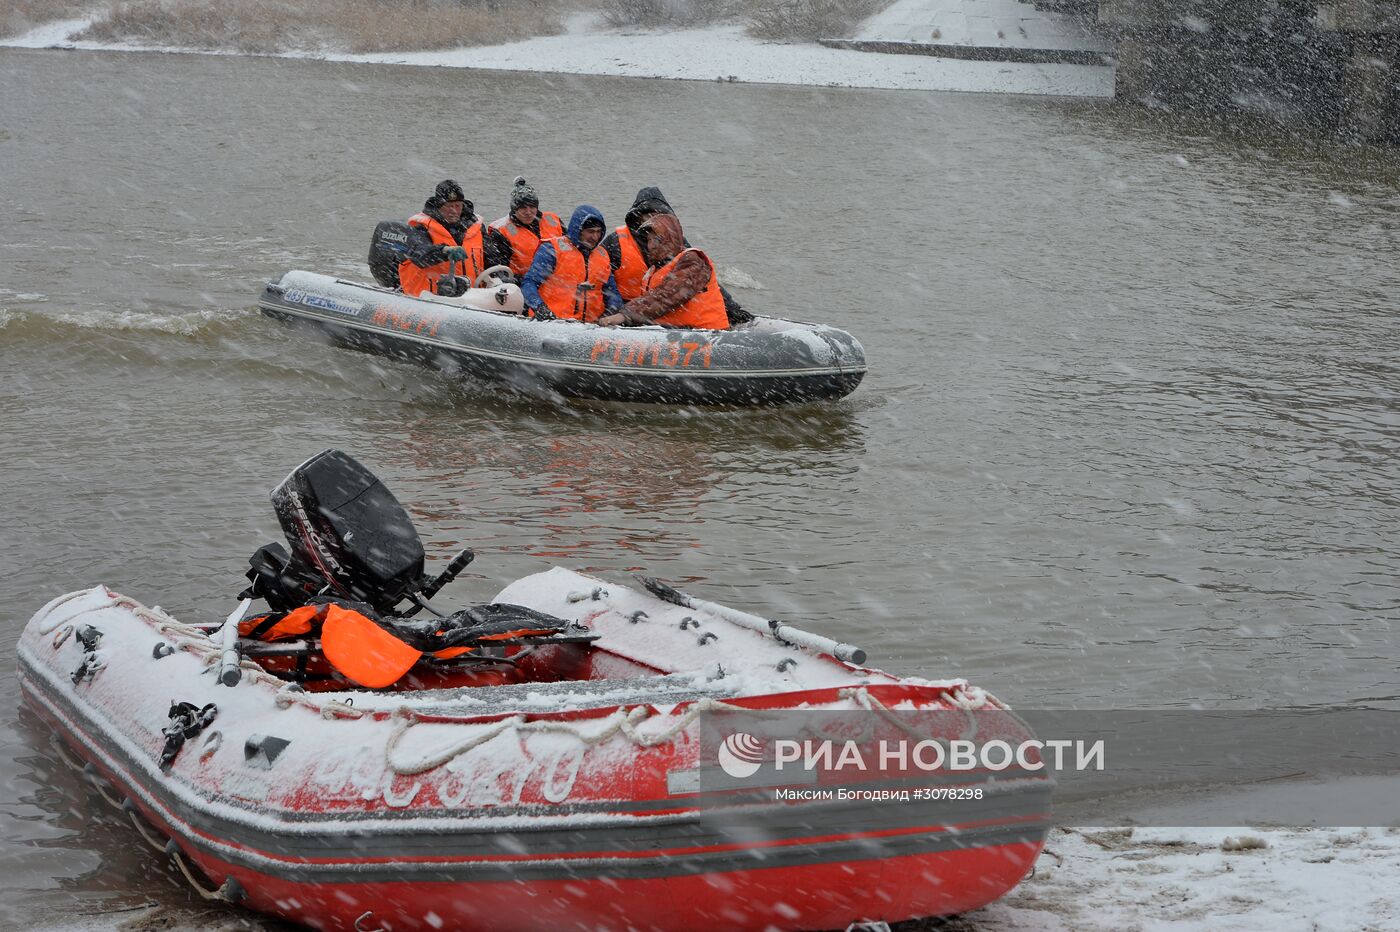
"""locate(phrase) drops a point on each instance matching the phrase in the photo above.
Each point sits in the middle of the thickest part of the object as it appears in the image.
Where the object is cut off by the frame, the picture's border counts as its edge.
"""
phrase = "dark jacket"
(424, 253)
(647, 200)
(689, 277)
(651, 200)
(496, 247)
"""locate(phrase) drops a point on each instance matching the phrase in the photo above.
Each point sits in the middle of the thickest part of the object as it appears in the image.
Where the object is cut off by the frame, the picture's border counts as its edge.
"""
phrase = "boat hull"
(553, 828)
(767, 363)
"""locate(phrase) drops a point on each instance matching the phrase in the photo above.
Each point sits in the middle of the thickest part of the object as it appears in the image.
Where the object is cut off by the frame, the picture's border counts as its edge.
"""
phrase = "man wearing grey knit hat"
(525, 227)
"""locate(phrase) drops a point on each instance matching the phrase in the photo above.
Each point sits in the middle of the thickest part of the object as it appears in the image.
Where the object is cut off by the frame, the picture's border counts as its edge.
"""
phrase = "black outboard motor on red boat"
(387, 248)
(352, 544)
(349, 538)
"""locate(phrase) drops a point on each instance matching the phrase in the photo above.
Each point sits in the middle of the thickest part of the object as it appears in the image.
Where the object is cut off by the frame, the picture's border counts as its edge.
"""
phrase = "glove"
(454, 253)
(542, 313)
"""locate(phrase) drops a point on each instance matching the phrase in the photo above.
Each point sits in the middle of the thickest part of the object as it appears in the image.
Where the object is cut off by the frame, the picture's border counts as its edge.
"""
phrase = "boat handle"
(212, 742)
(359, 927)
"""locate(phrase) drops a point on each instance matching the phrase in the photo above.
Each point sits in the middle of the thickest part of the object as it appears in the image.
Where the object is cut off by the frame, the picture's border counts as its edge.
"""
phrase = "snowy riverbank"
(720, 52)
(1249, 879)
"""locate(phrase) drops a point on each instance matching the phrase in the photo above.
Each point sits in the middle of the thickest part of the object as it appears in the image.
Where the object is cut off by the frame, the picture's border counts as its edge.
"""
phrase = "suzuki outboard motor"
(387, 248)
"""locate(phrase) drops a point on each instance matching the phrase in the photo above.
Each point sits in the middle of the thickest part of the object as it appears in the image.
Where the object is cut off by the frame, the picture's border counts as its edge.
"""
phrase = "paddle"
(779, 631)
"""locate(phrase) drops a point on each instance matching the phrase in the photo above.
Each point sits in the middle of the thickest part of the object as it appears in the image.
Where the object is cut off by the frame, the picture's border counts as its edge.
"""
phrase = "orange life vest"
(632, 270)
(575, 290)
(283, 626)
(357, 647)
(362, 651)
(524, 242)
(705, 311)
(414, 281)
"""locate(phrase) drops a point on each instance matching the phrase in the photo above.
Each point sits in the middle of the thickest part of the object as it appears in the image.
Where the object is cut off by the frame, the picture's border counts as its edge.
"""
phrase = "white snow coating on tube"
(363, 758)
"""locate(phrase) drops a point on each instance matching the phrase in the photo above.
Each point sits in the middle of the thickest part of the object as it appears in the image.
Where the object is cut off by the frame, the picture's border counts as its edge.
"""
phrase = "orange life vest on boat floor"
(524, 242)
(360, 649)
(414, 281)
(705, 311)
(575, 289)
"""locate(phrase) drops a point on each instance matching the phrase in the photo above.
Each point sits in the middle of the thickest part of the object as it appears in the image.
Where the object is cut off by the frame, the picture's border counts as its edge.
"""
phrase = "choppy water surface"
(1129, 437)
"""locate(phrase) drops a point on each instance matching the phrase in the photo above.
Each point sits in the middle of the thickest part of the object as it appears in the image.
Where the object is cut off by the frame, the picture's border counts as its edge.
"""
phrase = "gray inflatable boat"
(765, 361)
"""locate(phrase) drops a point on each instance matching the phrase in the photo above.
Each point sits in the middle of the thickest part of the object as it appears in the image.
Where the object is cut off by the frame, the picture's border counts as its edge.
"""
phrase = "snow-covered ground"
(721, 52)
(1124, 879)
(54, 35)
(726, 53)
(1248, 879)
(985, 23)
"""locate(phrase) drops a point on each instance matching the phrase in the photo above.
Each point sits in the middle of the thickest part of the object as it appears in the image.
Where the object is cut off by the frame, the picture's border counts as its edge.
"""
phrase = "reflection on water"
(609, 487)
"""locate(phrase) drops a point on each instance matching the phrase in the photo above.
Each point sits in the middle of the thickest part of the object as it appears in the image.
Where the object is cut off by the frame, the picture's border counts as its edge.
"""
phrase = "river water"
(1129, 437)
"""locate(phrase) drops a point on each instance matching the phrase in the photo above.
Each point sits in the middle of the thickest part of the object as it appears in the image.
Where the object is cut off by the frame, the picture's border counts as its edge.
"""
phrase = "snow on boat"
(765, 361)
(557, 781)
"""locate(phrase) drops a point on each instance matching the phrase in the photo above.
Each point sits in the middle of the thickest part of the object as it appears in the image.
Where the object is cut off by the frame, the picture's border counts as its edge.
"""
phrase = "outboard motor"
(352, 548)
(349, 537)
(387, 248)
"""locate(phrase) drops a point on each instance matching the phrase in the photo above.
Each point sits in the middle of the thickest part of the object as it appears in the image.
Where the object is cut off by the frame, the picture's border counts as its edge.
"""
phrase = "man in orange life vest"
(445, 240)
(570, 277)
(630, 266)
(525, 227)
(680, 288)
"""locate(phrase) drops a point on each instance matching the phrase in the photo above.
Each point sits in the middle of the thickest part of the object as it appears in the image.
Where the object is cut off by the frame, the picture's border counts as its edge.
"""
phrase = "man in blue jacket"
(570, 277)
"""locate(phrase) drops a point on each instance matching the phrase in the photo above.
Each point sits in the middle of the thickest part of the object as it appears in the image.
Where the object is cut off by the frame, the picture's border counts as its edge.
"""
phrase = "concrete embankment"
(1332, 65)
(1328, 65)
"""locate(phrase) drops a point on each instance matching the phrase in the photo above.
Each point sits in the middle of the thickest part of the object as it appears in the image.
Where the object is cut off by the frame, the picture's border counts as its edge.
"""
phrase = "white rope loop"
(207, 893)
(624, 721)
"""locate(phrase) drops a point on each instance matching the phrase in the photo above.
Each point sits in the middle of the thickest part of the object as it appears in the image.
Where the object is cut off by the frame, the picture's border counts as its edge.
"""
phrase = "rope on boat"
(623, 721)
(962, 700)
(861, 697)
(208, 893)
(197, 642)
(359, 923)
(67, 758)
(49, 624)
(152, 840)
(626, 722)
(97, 782)
(220, 894)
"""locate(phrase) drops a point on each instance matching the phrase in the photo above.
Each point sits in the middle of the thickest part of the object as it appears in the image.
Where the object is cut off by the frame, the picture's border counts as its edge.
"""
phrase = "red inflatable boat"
(546, 781)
